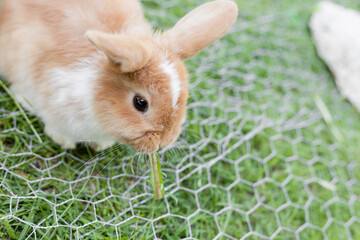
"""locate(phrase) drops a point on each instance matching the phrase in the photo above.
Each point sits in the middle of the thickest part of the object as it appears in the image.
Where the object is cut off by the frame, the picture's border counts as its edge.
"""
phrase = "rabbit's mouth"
(152, 141)
(148, 143)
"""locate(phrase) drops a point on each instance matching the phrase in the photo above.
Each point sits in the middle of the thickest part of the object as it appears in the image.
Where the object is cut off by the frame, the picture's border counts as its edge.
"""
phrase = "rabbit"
(95, 72)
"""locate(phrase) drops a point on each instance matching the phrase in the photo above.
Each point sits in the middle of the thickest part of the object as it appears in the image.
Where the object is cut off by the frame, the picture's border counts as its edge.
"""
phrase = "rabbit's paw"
(64, 142)
(100, 146)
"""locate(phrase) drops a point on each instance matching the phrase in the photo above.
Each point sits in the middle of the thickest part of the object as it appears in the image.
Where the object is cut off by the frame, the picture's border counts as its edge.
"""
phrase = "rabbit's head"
(142, 90)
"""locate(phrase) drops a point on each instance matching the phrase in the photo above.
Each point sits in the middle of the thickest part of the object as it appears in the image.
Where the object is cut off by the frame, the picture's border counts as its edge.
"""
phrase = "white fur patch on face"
(175, 84)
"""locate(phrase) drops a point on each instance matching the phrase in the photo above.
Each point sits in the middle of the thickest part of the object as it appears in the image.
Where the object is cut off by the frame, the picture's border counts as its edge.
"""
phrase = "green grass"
(262, 157)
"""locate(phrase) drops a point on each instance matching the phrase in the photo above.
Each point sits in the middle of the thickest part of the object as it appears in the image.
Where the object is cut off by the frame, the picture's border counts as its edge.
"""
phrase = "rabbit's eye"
(140, 103)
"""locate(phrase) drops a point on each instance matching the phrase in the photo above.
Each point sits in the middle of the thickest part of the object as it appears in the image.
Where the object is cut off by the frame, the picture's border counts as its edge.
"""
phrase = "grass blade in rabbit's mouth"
(156, 176)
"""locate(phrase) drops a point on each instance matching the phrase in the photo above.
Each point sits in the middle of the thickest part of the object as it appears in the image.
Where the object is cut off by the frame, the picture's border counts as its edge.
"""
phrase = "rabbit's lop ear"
(130, 53)
(201, 27)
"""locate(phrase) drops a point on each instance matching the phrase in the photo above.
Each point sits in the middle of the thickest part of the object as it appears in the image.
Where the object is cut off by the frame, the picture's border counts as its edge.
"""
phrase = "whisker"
(108, 164)
(124, 151)
(177, 152)
(191, 135)
(98, 157)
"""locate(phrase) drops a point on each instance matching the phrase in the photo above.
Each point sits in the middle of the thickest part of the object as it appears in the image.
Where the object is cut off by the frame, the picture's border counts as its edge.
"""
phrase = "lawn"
(270, 149)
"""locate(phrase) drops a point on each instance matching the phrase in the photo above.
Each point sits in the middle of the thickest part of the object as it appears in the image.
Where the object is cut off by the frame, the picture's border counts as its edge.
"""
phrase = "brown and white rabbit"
(94, 71)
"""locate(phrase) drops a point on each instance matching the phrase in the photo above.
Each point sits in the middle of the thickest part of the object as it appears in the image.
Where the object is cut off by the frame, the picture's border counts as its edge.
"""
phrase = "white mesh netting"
(269, 150)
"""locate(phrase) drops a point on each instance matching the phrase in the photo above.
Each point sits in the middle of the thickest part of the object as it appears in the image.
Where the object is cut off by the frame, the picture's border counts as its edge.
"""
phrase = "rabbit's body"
(83, 89)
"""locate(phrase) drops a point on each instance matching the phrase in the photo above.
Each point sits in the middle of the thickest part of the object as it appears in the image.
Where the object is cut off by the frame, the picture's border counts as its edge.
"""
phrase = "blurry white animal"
(336, 31)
